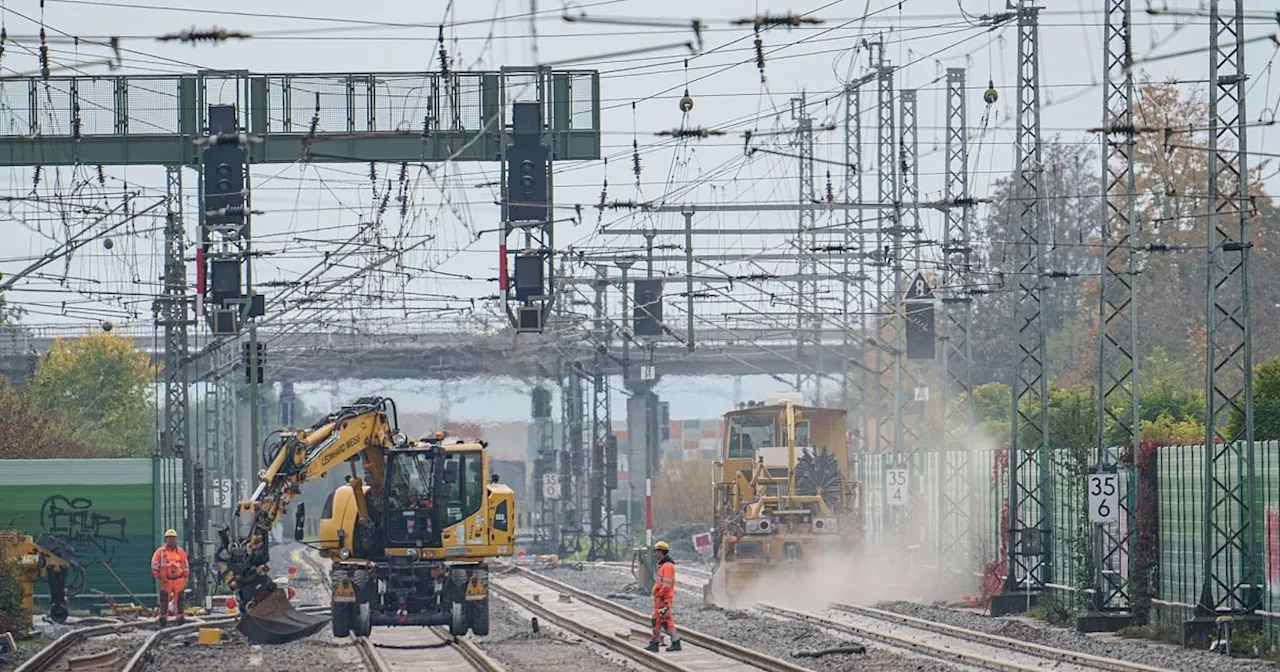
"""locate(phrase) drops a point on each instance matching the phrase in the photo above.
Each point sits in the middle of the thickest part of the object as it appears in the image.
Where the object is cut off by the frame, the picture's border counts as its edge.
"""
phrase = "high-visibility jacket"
(664, 582)
(169, 564)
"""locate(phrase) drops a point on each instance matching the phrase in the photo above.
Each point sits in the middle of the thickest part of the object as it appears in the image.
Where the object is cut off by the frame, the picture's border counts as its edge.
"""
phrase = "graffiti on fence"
(93, 535)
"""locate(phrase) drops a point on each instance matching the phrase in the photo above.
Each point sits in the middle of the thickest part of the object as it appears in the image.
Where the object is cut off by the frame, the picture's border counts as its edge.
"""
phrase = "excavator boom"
(363, 430)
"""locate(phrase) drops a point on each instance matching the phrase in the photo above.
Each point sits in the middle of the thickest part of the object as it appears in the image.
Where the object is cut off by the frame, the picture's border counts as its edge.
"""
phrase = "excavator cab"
(410, 513)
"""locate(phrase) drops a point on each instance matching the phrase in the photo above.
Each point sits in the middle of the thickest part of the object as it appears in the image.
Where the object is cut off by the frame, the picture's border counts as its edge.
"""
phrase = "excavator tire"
(340, 614)
(361, 616)
(479, 616)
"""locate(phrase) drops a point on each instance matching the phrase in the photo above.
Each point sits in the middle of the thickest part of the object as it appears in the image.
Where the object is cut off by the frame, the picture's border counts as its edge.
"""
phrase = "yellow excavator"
(47, 558)
(407, 541)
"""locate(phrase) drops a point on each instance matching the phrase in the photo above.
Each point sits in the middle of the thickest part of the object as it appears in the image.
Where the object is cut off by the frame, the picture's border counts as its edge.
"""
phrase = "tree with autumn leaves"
(1170, 174)
(88, 397)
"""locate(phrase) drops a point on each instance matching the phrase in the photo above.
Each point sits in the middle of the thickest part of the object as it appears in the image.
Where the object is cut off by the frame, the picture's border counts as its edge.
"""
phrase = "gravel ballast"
(1156, 654)
(778, 638)
(512, 642)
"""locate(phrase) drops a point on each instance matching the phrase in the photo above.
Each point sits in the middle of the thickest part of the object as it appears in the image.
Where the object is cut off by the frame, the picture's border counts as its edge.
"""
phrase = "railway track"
(57, 652)
(952, 644)
(940, 641)
(622, 630)
(388, 649)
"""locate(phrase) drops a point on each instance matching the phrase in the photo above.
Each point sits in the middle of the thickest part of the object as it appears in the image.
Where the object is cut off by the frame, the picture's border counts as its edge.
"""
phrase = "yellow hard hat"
(662, 546)
(170, 533)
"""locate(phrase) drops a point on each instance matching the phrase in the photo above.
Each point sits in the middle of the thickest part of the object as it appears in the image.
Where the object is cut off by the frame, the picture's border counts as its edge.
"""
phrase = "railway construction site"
(623, 334)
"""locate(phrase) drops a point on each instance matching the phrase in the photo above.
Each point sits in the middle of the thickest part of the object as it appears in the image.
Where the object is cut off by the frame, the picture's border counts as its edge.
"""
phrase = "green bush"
(13, 618)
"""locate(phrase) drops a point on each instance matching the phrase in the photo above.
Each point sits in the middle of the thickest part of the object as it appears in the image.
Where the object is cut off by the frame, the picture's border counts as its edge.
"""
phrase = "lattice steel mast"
(806, 291)
(854, 314)
(954, 547)
(885, 402)
(1118, 411)
(1230, 552)
(604, 452)
(906, 383)
(172, 314)
(1029, 542)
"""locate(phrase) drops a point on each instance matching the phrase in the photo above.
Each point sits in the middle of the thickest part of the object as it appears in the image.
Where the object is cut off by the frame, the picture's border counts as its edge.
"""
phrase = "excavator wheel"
(479, 616)
(341, 614)
(458, 619)
(361, 619)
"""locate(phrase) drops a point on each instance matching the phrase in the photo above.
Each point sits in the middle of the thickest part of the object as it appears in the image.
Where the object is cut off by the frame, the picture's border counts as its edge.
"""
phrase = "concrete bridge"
(333, 354)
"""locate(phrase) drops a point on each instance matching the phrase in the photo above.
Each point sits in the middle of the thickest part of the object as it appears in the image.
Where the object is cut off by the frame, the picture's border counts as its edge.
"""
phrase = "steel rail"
(894, 637)
(727, 649)
(369, 655)
(45, 658)
(638, 655)
(1029, 648)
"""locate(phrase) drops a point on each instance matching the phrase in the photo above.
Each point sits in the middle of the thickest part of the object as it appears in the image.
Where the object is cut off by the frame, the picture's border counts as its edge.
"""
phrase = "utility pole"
(853, 316)
(604, 447)
(546, 479)
(624, 265)
(955, 547)
(806, 314)
(1029, 523)
(885, 402)
(1118, 412)
(909, 385)
(173, 317)
(1231, 552)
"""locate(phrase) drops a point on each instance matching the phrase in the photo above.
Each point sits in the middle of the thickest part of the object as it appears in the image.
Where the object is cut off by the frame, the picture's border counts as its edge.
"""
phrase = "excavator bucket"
(275, 621)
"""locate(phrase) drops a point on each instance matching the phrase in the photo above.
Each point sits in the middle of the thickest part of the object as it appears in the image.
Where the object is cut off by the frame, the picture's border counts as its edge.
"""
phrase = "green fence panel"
(104, 508)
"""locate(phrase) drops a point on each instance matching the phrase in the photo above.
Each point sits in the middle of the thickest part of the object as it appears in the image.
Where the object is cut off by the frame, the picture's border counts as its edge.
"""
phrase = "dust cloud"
(898, 559)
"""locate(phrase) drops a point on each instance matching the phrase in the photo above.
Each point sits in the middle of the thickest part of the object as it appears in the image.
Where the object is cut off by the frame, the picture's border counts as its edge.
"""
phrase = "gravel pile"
(1156, 654)
(778, 638)
(512, 642)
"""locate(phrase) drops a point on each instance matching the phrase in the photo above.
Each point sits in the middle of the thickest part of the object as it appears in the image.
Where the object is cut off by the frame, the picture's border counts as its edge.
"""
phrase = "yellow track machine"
(783, 497)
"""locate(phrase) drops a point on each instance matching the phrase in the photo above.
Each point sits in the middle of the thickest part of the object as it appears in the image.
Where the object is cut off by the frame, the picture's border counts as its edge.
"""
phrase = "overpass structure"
(303, 355)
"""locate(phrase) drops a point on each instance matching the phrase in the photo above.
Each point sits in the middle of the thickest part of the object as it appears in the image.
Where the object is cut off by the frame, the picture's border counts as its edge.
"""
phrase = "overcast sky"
(311, 208)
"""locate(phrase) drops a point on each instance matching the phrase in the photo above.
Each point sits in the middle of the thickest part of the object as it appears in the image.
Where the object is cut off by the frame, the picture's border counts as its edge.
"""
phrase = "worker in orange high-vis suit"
(169, 565)
(664, 595)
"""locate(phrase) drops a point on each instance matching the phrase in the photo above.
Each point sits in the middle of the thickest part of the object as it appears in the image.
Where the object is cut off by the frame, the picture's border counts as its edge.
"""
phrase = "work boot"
(675, 645)
(653, 646)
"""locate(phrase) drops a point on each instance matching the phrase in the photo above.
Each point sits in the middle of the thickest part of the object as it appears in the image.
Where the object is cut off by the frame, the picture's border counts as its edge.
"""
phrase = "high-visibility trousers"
(661, 622)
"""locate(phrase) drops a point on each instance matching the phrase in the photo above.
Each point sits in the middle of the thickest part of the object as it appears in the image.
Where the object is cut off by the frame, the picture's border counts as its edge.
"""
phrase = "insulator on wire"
(194, 36)
(315, 119)
(102, 176)
(831, 194)
(759, 45)
(635, 160)
(696, 132)
(444, 56)
(44, 54)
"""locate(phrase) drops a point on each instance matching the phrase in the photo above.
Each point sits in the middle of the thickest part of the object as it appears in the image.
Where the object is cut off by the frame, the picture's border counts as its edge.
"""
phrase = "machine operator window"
(747, 434)
(411, 481)
(465, 493)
